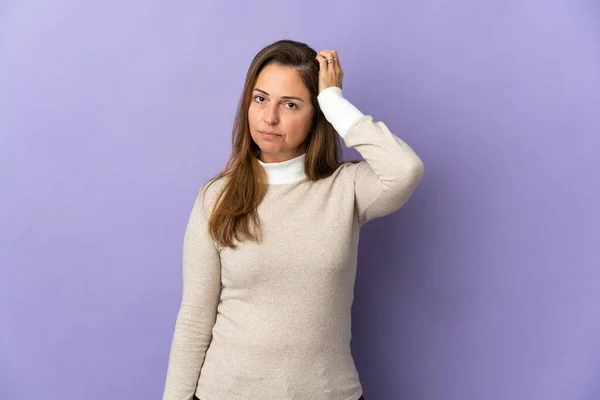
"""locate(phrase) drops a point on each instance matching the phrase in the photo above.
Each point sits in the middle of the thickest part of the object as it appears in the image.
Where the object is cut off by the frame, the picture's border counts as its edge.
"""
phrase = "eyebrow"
(283, 97)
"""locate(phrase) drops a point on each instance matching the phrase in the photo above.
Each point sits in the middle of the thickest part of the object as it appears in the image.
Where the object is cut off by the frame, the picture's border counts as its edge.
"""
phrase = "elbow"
(416, 170)
(407, 177)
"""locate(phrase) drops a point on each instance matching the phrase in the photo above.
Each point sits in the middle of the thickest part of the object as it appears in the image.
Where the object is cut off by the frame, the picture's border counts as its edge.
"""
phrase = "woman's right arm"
(198, 309)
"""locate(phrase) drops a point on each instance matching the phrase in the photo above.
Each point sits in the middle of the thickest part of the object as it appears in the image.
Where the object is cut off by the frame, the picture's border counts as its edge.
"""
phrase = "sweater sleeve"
(198, 310)
(391, 170)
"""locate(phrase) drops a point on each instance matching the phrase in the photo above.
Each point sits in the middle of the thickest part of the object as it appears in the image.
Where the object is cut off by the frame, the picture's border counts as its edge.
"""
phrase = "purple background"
(486, 285)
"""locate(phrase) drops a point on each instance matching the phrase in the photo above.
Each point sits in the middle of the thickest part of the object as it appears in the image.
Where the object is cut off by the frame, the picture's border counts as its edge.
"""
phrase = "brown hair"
(236, 205)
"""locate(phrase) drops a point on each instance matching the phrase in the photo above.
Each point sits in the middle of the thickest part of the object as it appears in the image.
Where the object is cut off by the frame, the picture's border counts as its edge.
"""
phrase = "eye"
(293, 104)
(256, 97)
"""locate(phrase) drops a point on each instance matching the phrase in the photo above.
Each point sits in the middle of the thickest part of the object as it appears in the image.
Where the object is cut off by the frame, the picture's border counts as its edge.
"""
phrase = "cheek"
(252, 117)
(298, 126)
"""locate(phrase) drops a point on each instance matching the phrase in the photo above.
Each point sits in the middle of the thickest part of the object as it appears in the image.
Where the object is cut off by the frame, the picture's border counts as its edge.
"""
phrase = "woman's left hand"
(330, 71)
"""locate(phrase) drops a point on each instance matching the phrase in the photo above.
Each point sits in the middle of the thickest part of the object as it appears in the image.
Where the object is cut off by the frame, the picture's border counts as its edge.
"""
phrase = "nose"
(271, 115)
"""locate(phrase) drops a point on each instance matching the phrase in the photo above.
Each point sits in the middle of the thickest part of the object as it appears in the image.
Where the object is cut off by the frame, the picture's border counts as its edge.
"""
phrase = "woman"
(270, 249)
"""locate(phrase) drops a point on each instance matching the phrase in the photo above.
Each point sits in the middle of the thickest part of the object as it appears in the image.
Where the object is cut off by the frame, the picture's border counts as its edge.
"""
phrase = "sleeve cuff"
(337, 110)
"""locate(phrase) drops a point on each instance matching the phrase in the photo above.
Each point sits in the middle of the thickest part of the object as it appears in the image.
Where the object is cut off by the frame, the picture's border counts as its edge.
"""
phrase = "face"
(280, 105)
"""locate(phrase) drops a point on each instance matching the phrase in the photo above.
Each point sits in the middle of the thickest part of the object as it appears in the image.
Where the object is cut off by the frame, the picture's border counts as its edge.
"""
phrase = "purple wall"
(486, 285)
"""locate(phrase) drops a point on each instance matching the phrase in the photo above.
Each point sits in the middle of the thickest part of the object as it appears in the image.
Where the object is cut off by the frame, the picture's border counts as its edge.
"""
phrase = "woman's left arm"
(391, 170)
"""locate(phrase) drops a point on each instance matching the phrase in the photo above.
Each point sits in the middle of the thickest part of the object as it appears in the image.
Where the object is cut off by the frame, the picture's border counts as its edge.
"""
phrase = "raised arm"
(391, 170)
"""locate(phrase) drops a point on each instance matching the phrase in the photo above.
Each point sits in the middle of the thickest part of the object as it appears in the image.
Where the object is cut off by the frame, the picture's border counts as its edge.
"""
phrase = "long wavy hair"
(234, 215)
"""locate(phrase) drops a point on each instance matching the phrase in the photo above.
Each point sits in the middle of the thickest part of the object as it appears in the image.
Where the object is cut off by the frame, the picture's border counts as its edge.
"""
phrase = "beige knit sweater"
(271, 321)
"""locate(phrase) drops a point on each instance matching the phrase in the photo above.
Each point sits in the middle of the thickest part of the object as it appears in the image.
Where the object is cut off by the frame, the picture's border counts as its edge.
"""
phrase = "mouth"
(270, 135)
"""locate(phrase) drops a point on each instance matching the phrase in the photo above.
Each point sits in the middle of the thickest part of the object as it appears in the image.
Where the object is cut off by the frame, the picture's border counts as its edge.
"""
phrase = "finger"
(322, 62)
(336, 65)
(336, 60)
(322, 57)
(326, 61)
(333, 55)
(328, 54)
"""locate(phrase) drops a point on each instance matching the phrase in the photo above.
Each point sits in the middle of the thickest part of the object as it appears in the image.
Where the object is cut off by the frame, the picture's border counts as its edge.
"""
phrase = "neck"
(283, 172)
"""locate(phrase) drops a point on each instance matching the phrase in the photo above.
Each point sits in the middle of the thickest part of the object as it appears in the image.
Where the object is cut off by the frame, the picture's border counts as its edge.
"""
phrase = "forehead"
(278, 80)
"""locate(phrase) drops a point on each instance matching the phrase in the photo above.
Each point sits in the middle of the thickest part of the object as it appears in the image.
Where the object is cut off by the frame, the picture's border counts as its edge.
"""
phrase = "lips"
(270, 134)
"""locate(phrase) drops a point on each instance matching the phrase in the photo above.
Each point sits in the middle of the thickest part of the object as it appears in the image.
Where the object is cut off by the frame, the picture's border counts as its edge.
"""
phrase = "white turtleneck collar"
(288, 171)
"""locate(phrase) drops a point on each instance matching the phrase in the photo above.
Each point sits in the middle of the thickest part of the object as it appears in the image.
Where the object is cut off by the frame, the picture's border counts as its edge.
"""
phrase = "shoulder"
(213, 186)
(209, 192)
